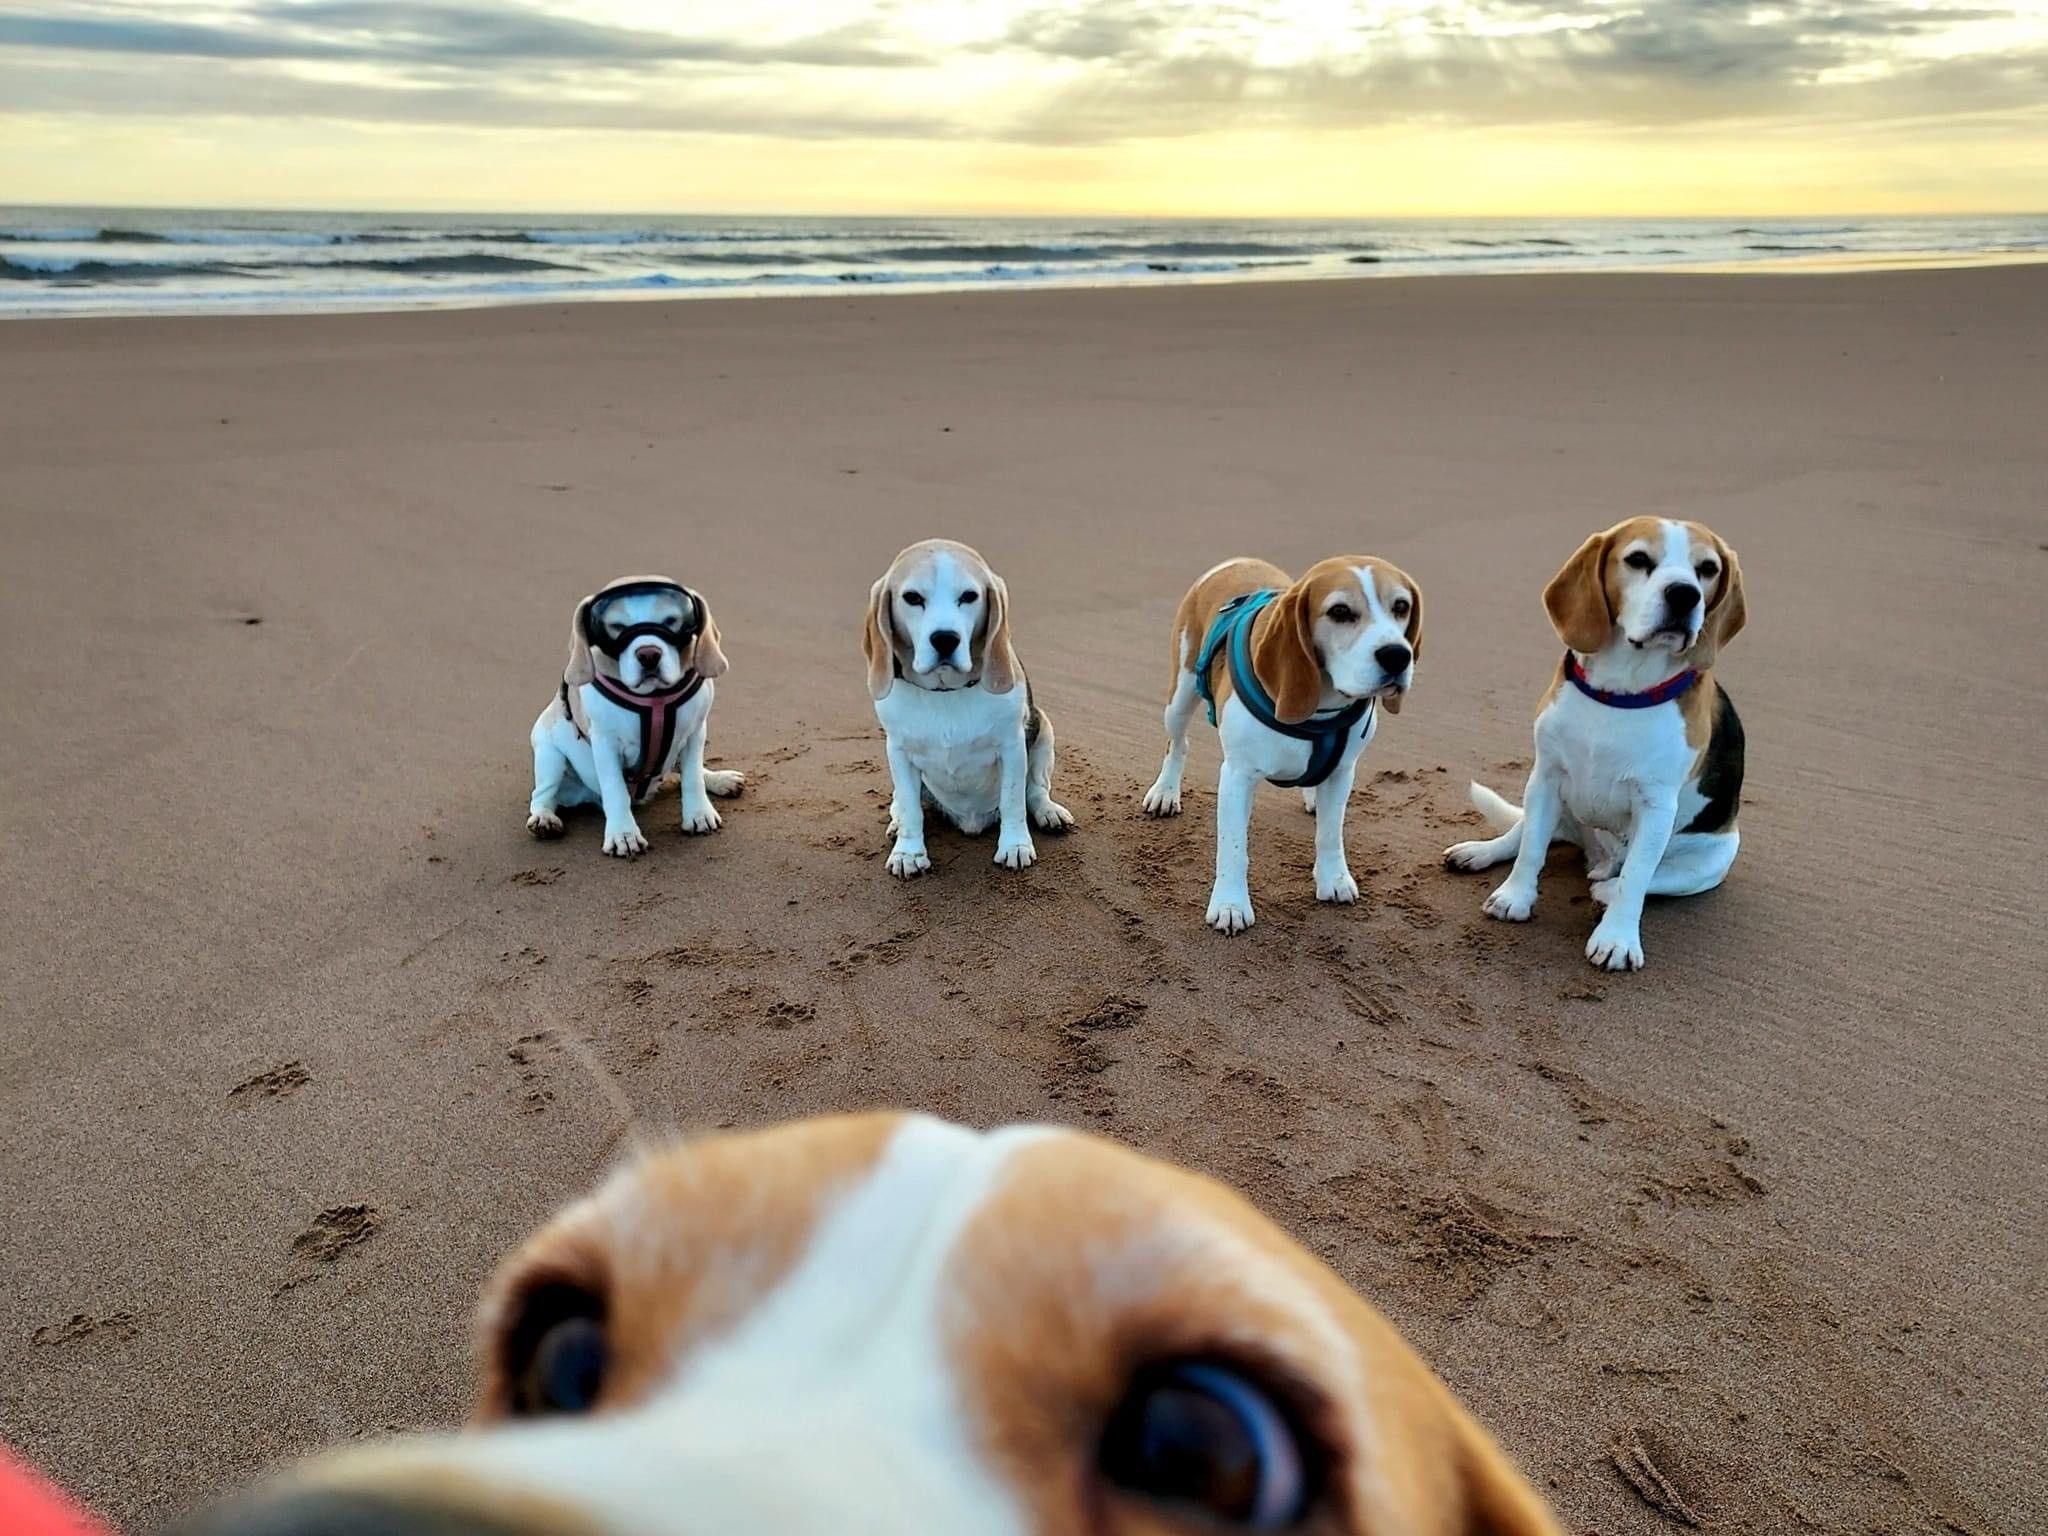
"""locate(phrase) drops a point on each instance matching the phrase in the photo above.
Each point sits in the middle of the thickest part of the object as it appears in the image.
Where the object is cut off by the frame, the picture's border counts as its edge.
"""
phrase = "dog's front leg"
(1617, 943)
(1014, 848)
(1230, 900)
(622, 835)
(1542, 803)
(1333, 870)
(906, 815)
(698, 813)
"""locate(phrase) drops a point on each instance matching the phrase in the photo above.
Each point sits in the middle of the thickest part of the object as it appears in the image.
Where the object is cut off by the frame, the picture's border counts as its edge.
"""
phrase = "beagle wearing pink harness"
(631, 711)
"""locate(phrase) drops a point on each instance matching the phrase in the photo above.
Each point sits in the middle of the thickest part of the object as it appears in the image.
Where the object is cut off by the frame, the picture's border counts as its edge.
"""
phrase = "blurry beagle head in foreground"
(885, 1325)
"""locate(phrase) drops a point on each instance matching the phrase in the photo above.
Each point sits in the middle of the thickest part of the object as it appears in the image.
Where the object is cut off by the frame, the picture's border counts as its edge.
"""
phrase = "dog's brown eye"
(1205, 1437)
(969, 597)
(913, 599)
(555, 1355)
(1707, 570)
(1402, 607)
(1342, 613)
(1636, 560)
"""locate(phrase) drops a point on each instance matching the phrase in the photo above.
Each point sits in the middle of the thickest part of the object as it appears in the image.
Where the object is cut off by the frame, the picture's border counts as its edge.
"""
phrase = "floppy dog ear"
(879, 642)
(998, 661)
(1576, 598)
(707, 655)
(1726, 614)
(1498, 1502)
(580, 669)
(1284, 656)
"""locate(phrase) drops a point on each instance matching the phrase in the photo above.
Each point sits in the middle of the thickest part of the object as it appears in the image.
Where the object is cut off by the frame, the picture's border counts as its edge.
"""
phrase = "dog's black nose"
(1681, 597)
(944, 642)
(333, 1512)
(650, 655)
(1393, 659)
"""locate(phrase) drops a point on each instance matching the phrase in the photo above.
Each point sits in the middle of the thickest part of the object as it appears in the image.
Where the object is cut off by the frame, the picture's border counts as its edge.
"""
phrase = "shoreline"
(1817, 264)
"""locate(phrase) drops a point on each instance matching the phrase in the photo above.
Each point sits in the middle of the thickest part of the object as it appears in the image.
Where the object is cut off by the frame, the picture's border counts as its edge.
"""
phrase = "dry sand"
(285, 1061)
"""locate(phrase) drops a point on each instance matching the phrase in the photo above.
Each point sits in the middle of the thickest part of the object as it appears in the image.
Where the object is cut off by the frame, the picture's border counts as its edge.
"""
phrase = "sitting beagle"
(1637, 763)
(630, 712)
(1293, 674)
(886, 1325)
(963, 730)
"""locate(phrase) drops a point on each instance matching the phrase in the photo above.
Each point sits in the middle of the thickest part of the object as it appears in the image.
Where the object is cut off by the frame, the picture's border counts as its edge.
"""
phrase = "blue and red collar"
(1663, 693)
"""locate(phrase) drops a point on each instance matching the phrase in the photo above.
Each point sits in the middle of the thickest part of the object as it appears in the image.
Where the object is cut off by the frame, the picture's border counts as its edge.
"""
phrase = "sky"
(1313, 108)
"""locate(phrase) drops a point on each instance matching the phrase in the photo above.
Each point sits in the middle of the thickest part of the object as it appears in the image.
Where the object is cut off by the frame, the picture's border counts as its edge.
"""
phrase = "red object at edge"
(29, 1506)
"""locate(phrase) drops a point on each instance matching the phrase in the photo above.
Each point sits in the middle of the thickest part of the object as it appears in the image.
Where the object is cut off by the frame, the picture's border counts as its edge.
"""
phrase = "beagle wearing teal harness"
(1294, 674)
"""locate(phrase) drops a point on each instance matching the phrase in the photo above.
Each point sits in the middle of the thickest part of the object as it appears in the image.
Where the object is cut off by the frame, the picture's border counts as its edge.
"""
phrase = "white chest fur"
(955, 740)
(1607, 757)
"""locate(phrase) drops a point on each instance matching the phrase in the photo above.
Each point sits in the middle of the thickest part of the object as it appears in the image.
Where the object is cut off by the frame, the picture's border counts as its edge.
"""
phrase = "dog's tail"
(1499, 813)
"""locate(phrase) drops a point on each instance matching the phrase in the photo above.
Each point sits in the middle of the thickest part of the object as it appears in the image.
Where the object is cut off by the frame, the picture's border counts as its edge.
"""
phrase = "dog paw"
(1230, 914)
(624, 842)
(1051, 816)
(1162, 799)
(1470, 856)
(702, 819)
(1605, 889)
(1340, 888)
(1308, 801)
(907, 863)
(724, 782)
(1616, 947)
(544, 824)
(1017, 855)
(1510, 905)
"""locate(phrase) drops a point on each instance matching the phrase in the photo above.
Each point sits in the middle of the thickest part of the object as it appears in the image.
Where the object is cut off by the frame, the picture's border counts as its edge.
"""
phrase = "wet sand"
(289, 1036)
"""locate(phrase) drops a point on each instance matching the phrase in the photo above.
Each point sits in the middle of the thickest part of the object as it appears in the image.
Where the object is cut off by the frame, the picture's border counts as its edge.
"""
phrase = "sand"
(290, 1033)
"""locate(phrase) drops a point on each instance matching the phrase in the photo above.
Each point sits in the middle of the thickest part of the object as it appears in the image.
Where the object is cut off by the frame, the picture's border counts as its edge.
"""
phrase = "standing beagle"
(1638, 749)
(1293, 674)
(956, 708)
(631, 710)
(886, 1325)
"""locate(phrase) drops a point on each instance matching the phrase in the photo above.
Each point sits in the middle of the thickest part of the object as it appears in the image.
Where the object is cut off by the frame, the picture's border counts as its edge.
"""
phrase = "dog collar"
(1649, 698)
(1327, 735)
(657, 712)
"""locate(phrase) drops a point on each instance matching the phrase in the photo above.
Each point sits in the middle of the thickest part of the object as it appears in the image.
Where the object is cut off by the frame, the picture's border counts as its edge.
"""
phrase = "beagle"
(886, 1325)
(1294, 674)
(1637, 763)
(631, 712)
(962, 728)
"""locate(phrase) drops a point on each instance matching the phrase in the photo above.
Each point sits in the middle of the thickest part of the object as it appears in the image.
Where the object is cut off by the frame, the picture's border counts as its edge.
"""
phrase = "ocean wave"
(1796, 249)
(81, 269)
(65, 270)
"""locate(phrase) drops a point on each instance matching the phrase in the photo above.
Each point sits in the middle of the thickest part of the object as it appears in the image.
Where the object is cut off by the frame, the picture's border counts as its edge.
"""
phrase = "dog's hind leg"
(1163, 798)
(1693, 862)
(549, 769)
(1046, 812)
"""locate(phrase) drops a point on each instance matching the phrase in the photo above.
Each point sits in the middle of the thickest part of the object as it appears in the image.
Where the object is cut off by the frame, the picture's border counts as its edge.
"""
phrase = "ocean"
(67, 261)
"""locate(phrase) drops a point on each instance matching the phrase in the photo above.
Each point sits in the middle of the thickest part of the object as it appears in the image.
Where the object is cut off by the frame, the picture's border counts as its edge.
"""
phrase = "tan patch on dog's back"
(682, 1245)
(1198, 610)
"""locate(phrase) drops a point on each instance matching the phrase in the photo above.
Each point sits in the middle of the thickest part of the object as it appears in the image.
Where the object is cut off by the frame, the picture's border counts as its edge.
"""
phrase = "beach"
(301, 1031)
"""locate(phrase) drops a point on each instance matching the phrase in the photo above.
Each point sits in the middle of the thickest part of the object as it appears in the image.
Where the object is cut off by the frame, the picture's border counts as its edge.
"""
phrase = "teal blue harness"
(1327, 735)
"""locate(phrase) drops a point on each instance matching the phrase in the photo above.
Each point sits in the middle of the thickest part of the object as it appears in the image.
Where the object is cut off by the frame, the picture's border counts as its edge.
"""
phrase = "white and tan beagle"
(962, 727)
(1295, 674)
(885, 1325)
(1638, 749)
(630, 715)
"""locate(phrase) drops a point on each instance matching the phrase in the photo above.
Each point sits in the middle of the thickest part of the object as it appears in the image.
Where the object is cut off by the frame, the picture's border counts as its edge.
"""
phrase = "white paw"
(1469, 856)
(1017, 855)
(624, 842)
(1162, 799)
(1052, 816)
(724, 782)
(702, 819)
(907, 861)
(1230, 914)
(1340, 888)
(1616, 946)
(1308, 801)
(1605, 889)
(1510, 905)
(544, 824)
